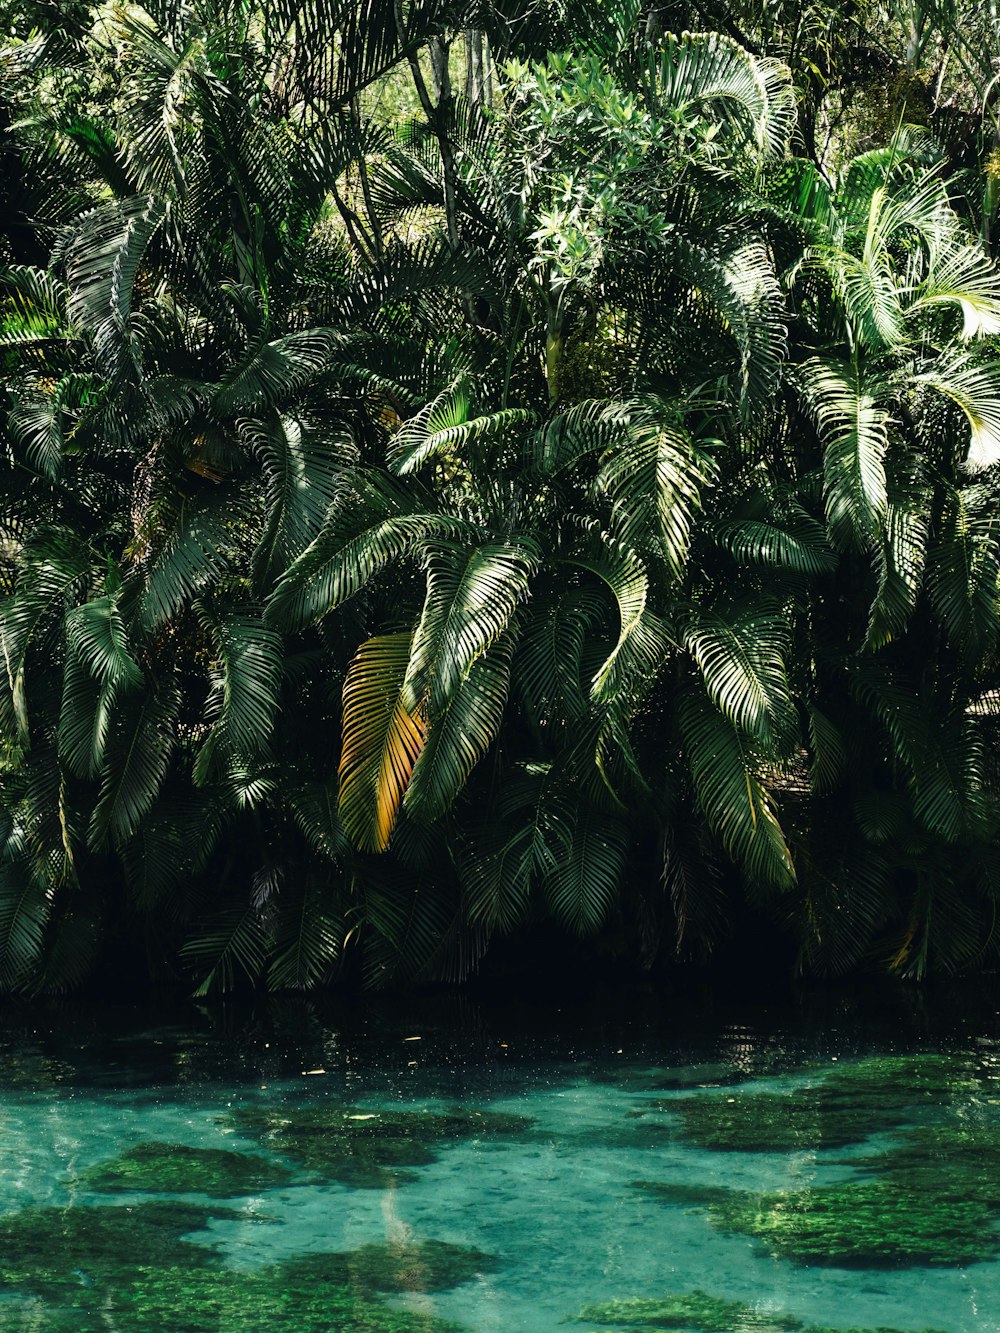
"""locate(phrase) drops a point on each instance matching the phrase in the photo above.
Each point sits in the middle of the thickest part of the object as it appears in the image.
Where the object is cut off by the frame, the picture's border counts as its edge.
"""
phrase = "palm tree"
(549, 494)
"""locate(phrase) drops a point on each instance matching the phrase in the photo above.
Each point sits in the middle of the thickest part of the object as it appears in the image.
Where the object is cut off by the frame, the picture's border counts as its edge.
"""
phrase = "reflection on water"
(296, 1171)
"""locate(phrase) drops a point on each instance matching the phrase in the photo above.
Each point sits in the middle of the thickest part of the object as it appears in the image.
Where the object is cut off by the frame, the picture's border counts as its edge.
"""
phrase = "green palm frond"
(729, 790)
(549, 665)
(470, 599)
(963, 572)
(853, 426)
(642, 638)
(103, 256)
(965, 277)
(314, 809)
(655, 474)
(460, 732)
(302, 464)
(941, 754)
(33, 308)
(974, 387)
(742, 662)
(25, 909)
(795, 543)
(244, 694)
(828, 751)
(530, 835)
(188, 560)
(140, 744)
(96, 633)
(308, 937)
(588, 866)
(274, 371)
(234, 943)
(699, 70)
(371, 526)
(899, 564)
(99, 670)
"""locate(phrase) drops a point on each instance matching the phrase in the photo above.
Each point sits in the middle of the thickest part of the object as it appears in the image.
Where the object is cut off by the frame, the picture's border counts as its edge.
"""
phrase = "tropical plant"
(560, 501)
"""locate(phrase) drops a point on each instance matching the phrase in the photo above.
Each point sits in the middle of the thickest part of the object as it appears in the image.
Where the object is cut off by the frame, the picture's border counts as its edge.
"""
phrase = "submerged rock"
(698, 1312)
(429, 1265)
(368, 1149)
(844, 1106)
(90, 1269)
(175, 1168)
(868, 1224)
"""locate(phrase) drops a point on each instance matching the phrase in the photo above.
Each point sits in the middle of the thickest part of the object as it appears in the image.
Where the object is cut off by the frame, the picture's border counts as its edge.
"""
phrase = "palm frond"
(470, 599)
(383, 738)
(730, 792)
(853, 427)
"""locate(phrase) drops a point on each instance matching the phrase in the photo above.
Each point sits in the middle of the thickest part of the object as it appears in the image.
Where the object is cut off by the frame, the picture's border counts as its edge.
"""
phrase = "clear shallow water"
(554, 1201)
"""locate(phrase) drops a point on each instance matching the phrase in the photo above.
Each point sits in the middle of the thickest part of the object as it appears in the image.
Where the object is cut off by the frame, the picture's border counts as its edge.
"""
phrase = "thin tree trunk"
(438, 118)
(474, 67)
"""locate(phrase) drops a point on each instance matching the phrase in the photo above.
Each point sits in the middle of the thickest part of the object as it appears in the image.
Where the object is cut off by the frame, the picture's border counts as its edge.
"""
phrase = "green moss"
(691, 1310)
(697, 1312)
(430, 1265)
(771, 1122)
(873, 1223)
(368, 1149)
(53, 1250)
(281, 1298)
(36, 1316)
(685, 1195)
(843, 1107)
(167, 1168)
(956, 1160)
(87, 1269)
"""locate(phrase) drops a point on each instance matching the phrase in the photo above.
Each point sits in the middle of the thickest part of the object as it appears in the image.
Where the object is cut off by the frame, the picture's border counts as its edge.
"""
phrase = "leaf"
(853, 427)
(470, 599)
(308, 936)
(900, 570)
(583, 882)
(520, 845)
(372, 525)
(974, 386)
(245, 693)
(642, 640)
(102, 262)
(752, 95)
(742, 662)
(460, 734)
(382, 740)
(796, 544)
(25, 908)
(136, 761)
(302, 464)
(729, 790)
(654, 475)
(233, 942)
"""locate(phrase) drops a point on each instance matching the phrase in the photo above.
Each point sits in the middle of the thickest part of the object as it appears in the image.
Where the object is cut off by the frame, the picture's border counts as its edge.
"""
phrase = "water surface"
(560, 1171)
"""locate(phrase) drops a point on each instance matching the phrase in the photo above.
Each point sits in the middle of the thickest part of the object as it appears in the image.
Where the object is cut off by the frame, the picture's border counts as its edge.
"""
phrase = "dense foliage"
(466, 464)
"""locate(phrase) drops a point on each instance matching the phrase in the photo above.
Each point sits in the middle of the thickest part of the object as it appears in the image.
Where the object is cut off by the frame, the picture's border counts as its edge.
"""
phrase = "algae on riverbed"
(368, 1149)
(175, 1168)
(53, 1250)
(429, 1265)
(698, 1312)
(93, 1268)
(845, 1105)
(869, 1224)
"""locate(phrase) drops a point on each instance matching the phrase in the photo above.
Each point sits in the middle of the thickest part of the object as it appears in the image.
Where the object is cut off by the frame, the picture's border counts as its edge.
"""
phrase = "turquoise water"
(552, 1205)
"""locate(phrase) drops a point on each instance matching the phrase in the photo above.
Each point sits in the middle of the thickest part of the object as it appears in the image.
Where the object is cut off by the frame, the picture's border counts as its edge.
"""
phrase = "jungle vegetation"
(468, 464)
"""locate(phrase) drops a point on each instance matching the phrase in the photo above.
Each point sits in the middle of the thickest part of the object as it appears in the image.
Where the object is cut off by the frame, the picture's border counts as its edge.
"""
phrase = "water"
(554, 1201)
